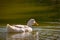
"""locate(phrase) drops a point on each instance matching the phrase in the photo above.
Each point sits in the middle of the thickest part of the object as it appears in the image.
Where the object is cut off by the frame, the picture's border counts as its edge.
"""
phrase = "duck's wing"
(22, 26)
(25, 26)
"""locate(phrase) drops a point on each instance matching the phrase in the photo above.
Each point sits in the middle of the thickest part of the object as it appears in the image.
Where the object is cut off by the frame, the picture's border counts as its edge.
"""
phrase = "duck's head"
(32, 22)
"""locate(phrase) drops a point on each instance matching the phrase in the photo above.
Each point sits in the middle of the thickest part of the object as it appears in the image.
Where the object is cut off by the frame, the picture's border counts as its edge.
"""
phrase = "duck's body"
(21, 28)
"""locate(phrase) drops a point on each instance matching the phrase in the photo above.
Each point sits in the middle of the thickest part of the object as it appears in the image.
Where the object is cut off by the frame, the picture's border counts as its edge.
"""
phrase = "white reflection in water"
(21, 35)
(24, 36)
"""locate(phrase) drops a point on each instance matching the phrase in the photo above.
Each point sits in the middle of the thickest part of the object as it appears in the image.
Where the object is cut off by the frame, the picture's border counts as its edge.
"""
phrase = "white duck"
(22, 28)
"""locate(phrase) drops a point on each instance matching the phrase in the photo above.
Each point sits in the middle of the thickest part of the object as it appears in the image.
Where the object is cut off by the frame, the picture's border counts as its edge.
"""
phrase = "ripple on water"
(42, 34)
(37, 35)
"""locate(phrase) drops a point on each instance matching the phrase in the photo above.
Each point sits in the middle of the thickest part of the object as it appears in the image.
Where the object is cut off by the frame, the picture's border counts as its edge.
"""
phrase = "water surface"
(37, 34)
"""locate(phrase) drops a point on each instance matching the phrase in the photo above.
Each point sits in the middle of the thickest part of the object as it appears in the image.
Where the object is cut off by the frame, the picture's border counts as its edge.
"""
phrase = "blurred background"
(45, 12)
(20, 11)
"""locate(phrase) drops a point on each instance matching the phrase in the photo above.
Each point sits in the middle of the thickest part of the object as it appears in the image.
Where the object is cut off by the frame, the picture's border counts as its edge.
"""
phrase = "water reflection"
(23, 36)
(44, 34)
(37, 34)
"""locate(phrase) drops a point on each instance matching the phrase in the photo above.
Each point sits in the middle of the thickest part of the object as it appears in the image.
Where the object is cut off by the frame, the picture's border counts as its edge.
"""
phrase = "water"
(37, 34)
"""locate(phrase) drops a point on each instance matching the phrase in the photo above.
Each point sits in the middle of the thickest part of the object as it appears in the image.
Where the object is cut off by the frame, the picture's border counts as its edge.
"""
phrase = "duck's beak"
(36, 24)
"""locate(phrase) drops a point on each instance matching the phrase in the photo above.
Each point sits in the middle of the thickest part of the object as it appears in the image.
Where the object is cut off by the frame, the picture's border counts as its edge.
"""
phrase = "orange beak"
(36, 24)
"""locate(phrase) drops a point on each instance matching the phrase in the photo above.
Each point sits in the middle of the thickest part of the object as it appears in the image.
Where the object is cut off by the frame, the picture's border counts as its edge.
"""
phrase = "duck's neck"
(29, 23)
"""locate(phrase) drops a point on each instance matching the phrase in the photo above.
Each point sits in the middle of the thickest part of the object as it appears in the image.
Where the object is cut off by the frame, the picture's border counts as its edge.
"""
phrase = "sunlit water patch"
(37, 34)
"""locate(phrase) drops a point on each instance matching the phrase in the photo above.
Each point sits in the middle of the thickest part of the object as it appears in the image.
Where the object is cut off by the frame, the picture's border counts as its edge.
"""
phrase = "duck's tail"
(8, 25)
